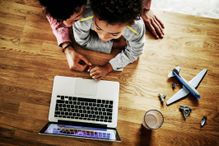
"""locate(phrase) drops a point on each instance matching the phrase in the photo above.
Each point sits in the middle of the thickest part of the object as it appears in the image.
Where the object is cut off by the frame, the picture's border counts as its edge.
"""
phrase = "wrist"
(146, 5)
(65, 45)
(68, 50)
(109, 67)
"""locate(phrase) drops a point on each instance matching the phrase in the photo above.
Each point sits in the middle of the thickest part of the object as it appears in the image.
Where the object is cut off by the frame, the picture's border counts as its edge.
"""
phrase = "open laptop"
(83, 108)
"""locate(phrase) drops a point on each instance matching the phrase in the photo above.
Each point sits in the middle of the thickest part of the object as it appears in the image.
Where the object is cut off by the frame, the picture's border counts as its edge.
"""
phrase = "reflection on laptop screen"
(82, 132)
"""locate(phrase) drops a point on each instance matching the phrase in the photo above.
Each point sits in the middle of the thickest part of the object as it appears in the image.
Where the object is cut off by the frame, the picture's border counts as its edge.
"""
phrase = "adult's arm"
(152, 23)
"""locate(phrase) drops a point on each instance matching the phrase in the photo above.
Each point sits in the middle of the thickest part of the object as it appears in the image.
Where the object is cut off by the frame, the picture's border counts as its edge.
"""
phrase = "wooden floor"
(30, 58)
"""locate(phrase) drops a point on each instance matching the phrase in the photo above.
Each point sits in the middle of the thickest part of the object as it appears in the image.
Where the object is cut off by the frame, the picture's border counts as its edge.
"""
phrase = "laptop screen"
(104, 134)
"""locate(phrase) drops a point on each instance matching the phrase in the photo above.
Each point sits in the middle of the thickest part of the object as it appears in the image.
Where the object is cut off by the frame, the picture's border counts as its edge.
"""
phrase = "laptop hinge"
(82, 124)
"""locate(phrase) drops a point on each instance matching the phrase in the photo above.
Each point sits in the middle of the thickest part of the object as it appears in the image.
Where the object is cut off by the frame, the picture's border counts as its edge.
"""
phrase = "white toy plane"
(188, 87)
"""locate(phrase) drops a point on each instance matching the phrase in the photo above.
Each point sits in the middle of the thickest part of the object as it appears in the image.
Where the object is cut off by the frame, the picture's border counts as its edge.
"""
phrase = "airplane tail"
(170, 75)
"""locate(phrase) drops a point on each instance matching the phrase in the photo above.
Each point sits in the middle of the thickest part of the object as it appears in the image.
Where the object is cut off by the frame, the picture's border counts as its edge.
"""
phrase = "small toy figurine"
(203, 121)
(185, 111)
(161, 97)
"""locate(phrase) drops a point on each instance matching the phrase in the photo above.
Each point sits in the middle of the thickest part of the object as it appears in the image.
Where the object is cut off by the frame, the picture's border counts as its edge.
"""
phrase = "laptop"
(83, 108)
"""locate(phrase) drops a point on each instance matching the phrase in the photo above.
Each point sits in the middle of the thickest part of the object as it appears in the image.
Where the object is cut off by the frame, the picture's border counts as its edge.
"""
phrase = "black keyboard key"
(62, 97)
(86, 100)
(59, 101)
(109, 113)
(109, 110)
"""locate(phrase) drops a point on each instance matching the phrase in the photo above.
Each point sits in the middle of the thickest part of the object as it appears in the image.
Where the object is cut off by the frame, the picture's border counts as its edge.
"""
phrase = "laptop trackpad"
(85, 87)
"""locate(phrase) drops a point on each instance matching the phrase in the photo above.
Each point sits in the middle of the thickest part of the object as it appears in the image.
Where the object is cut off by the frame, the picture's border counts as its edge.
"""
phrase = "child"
(110, 20)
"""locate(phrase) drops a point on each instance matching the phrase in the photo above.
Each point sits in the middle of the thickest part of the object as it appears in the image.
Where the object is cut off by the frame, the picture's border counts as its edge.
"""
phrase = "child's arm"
(86, 38)
(135, 46)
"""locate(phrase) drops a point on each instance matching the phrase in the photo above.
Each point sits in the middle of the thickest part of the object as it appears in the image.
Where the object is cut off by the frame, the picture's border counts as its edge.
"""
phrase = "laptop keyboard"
(84, 108)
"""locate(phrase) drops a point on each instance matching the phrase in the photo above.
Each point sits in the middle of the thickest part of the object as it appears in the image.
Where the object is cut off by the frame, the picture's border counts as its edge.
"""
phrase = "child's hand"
(98, 72)
(76, 61)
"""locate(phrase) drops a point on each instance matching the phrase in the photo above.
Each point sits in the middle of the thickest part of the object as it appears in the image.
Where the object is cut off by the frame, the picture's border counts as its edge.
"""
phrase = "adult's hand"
(153, 24)
(75, 60)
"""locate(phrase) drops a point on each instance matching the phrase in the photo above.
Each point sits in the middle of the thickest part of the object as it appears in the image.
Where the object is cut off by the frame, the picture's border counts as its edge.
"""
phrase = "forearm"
(146, 5)
(124, 58)
(59, 30)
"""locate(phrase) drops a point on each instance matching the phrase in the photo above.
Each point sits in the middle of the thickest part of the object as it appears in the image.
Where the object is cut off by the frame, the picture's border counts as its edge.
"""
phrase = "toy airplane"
(188, 87)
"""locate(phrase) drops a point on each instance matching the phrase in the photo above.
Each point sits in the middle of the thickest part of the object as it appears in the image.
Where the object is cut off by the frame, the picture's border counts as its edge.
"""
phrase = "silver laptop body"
(83, 108)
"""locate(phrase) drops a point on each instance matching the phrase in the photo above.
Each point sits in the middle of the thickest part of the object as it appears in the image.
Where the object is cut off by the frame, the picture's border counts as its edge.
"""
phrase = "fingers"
(157, 28)
(162, 25)
(97, 77)
(152, 29)
(85, 60)
(154, 25)
(78, 67)
(95, 73)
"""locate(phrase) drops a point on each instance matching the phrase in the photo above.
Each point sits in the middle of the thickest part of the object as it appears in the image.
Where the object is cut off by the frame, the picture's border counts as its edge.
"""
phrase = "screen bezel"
(42, 132)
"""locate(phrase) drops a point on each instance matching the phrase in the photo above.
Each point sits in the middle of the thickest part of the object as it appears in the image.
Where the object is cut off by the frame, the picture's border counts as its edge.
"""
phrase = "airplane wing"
(198, 78)
(184, 92)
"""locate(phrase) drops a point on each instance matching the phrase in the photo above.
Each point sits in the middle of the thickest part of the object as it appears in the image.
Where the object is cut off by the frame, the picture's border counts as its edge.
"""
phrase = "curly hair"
(62, 9)
(117, 11)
